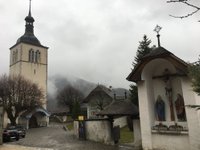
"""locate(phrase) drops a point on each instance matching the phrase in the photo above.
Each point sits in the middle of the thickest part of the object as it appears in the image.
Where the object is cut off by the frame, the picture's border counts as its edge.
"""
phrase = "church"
(29, 58)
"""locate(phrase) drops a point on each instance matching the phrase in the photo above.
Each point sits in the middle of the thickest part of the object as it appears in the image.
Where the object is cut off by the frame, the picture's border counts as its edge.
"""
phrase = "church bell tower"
(29, 58)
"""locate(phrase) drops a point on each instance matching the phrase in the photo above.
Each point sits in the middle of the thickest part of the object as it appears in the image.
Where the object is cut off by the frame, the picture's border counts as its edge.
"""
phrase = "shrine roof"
(158, 52)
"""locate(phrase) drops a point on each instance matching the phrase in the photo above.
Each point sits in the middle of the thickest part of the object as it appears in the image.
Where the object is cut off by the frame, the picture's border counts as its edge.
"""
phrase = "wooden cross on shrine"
(168, 89)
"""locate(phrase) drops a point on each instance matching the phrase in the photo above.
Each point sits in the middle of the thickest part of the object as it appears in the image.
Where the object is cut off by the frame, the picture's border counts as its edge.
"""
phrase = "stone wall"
(96, 130)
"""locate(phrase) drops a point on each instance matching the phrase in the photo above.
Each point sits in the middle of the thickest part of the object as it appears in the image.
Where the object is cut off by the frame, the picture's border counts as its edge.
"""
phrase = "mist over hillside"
(57, 83)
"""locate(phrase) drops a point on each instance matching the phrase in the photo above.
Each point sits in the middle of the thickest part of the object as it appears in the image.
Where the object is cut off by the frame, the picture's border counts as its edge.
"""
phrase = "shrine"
(164, 91)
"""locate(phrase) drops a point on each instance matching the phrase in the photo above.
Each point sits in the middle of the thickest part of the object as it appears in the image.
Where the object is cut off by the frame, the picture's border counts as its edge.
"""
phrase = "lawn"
(126, 136)
(70, 126)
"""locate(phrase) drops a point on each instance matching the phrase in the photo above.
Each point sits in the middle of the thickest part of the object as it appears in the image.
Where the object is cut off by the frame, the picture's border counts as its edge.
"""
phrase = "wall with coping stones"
(96, 130)
(99, 131)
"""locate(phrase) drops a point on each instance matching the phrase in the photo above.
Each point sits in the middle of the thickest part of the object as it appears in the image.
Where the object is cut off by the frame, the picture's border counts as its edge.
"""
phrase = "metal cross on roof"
(157, 29)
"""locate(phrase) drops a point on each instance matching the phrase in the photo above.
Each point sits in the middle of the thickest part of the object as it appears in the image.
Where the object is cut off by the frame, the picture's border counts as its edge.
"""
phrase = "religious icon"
(168, 92)
(180, 108)
(160, 109)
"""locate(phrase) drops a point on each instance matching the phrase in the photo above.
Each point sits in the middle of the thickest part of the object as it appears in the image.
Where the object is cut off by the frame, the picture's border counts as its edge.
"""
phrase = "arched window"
(37, 56)
(16, 55)
(13, 57)
(31, 56)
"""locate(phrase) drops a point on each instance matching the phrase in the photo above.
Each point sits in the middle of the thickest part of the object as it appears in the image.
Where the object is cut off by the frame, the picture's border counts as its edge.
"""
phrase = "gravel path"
(55, 138)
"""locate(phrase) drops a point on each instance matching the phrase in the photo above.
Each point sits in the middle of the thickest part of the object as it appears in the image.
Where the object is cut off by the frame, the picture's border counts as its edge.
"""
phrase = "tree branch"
(185, 16)
(197, 8)
(184, 2)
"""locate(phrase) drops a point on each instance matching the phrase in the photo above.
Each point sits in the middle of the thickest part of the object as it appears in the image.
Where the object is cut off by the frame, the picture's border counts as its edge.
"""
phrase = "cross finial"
(157, 30)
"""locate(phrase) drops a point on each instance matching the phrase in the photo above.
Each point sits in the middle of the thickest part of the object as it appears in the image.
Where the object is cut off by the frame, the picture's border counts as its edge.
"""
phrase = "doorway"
(33, 122)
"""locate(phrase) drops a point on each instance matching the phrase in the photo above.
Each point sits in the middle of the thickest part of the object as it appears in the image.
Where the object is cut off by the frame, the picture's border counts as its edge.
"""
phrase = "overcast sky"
(96, 40)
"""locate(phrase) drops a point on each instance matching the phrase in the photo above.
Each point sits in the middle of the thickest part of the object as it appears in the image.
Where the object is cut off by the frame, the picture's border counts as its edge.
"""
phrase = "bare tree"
(68, 96)
(101, 100)
(187, 3)
(100, 97)
(18, 94)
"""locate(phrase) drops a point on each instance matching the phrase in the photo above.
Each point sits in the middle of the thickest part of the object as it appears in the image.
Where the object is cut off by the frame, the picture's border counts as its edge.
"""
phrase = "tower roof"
(29, 36)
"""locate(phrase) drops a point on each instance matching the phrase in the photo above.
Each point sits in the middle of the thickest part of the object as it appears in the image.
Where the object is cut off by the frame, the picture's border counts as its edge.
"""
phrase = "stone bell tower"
(29, 58)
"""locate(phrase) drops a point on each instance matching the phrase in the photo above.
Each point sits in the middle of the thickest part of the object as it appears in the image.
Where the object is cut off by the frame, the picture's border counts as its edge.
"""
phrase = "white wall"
(137, 134)
(192, 114)
(170, 142)
(145, 121)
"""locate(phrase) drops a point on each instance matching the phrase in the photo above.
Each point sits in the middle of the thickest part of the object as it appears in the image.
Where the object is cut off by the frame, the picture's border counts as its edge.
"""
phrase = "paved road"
(55, 138)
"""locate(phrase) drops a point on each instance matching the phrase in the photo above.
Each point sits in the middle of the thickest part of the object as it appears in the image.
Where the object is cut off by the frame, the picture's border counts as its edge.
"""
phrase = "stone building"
(164, 91)
(101, 97)
(29, 58)
(97, 100)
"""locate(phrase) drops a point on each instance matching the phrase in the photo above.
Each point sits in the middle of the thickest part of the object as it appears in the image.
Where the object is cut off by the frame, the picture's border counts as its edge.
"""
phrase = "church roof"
(159, 52)
(29, 37)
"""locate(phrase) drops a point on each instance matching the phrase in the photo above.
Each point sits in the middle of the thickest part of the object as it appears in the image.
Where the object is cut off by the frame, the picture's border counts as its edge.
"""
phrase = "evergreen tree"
(134, 94)
(194, 73)
(76, 109)
(143, 49)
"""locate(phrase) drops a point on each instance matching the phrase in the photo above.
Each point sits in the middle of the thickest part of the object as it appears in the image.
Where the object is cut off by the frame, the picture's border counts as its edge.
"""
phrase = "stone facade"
(31, 70)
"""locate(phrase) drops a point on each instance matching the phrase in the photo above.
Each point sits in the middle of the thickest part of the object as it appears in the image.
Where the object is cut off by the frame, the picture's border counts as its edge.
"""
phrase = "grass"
(70, 126)
(126, 136)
